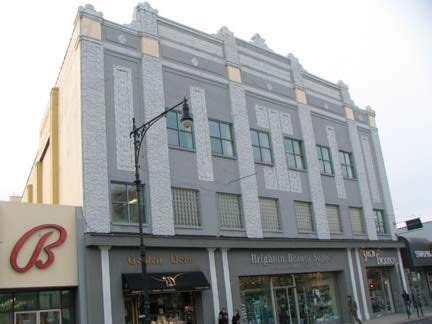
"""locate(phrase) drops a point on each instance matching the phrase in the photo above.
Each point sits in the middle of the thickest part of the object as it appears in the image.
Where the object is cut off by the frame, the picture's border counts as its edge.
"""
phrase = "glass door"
(26, 318)
(379, 290)
(52, 316)
(286, 307)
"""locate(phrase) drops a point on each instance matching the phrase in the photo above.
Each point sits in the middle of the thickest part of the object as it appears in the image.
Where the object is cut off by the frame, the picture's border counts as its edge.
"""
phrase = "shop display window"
(379, 290)
(256, 299)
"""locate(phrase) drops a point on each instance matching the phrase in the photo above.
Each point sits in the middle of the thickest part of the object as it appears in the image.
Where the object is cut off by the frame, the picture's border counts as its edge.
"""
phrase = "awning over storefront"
(418, 252)
(165, 282)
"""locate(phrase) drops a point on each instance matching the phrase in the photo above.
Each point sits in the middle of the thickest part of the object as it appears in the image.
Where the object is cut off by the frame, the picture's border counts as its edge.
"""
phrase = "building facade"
(275, 203)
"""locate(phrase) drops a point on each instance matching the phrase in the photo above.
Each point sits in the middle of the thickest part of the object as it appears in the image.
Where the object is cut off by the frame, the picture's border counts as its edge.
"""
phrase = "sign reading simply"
(289, 258)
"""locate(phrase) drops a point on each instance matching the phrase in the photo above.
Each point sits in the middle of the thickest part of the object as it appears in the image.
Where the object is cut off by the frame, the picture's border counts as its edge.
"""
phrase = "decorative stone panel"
(95, 166)
(123, 112)
(150, 46)
(340, 185)
(362, 180)
(270, 179)
(265, 67)
(286, 124)
(370, 168)
(202, 134)
(261, 117)
(295, 181)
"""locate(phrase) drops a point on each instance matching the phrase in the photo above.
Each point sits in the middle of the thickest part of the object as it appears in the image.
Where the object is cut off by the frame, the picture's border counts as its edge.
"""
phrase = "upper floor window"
(324, 157)
(261, 146)
(304, 218)
(346, 164)
(221, 137)
(379, 221)
(357, 223)
(124, 202)
(177, 134)
(269, 214)
(229, 210)
(333, 218)
(294, 151)
(186, 207)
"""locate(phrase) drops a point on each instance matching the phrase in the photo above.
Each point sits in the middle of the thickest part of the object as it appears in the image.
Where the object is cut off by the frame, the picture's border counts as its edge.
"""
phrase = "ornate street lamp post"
(138, 134)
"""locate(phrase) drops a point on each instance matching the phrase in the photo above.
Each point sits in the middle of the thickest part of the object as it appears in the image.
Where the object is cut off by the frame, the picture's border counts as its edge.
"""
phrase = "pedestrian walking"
(418, 305)
(236, 317)
(352, 306)
(407, 302)
(223, 316)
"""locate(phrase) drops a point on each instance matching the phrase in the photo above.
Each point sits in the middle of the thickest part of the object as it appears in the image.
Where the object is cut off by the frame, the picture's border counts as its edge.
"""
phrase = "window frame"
(143, 203)
(199, 210)
(278, 214)
(362, 219)
(314, 229)
(383, 230)
(345, 166)
(220, 139)
(339, 219)
(178, 131)
(241, 215)
(262, 147)
(302, 154)
(322, 161)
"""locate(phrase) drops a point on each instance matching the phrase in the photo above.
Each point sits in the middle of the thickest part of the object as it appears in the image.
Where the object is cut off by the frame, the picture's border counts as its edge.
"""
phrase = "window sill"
(264, 163)
(304, 232)
(188, 227)
(129, 224)
(352, 179)
(230, 229)
(272, 231)
(182, 149)
(225, 156)
(328, 175)
(295, 169)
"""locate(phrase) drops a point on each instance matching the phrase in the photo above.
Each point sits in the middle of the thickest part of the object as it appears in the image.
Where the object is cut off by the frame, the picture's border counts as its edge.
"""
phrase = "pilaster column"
(314, 174)
(156, 141)
(227, 281)
(106, 284)
(402, 272)
(246, 163)
(362, 285)
(214, 283)
(352, 278)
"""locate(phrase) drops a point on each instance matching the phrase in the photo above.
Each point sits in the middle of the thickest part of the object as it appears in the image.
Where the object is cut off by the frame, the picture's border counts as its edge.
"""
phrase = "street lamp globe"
(186, 119)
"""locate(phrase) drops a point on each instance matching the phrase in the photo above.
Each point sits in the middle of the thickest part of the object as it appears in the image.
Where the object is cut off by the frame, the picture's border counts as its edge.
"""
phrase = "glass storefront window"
(26, 301)
(49, 299)
(6, 303)
(285, 299)
(379, 290)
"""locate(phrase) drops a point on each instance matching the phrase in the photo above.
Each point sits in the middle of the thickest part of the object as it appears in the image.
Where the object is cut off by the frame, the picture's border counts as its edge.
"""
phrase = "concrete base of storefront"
(402, 318)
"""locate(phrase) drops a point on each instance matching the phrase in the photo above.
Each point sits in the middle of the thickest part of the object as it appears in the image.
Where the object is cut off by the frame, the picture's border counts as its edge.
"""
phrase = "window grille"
(221, 138)
(269, 214)
(229, 210)
(333, 218)
(261, 146)
(379, 221)
(295, 156)
(304, 216)
(347, 164)
(324, 157)
(357, 223)
(186, 207)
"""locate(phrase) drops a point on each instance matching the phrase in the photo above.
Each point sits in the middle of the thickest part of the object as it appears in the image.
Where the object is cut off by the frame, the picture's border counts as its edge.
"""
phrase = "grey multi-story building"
(275, 202)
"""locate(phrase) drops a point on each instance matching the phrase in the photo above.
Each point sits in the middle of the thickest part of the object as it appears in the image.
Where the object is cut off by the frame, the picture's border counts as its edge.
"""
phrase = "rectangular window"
(177, 134)
(347, 164)
(221, 137)
(303, 212)
(379, 221)
(229, 210)
(357, 223)
(124, 203)
(295, 156)
(333, 218)
(269, 214)
(324, 157)
(261, 146)
(186, 207)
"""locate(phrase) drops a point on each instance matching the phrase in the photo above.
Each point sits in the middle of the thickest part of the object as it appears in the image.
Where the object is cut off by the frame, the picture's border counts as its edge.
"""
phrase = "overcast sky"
(381, 49)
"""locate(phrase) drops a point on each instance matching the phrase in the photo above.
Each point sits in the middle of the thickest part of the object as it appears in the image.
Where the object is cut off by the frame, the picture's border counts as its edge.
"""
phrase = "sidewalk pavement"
(402, 318)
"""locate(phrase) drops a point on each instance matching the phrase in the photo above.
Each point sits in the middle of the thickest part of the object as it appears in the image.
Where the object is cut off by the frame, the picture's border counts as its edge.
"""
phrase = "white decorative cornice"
(89, 9)
(258, 41)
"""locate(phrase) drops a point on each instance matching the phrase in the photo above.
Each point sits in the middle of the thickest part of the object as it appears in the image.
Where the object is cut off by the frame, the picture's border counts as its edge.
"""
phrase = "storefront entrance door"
(379, 290)
(38, 317)
(286, 306)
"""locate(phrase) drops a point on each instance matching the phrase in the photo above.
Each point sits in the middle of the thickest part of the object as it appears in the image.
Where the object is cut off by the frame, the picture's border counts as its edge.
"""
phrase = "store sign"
(159, 260)
(289, 258)
(38, 246)
(169, 281)
(377, 256)
(35, 259)
(423, 254)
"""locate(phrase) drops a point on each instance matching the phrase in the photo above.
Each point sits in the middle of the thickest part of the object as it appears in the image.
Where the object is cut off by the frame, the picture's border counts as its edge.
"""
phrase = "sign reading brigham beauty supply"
(289, 258)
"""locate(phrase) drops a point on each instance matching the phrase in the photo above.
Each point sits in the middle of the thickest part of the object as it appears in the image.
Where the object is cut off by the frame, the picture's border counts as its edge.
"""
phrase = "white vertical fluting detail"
(202, 134)
(370, 169)
(270, 179)
(388, 204)
(214, 284)
(261, 117)
(362, 285)
(123, 112)
(279, 150)
(286, 124)
(96, 206)
(314, 174)
(106, 284)
(157, 148)
(352, 277)
(340, 185)
(402, 271)
(295, 181)
(248, 182)
(227, 281)
(362, 180)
